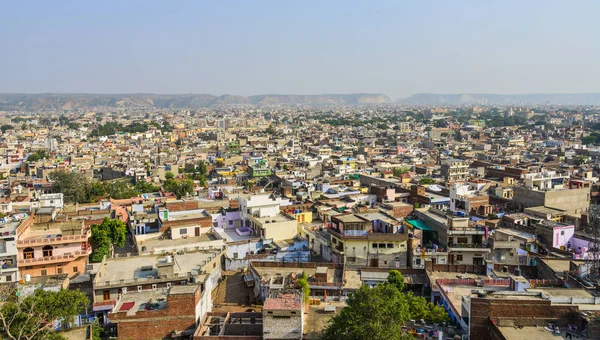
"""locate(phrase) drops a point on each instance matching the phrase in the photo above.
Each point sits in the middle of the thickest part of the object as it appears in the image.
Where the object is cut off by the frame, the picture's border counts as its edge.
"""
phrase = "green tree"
(401, 170)
(74, 186)
(396, 279)
(371, 313)
(271, 130)
(180, 188)
(426, 180)
(302, 283)
(6, 127)
(202, 168)
(121, 189)
(169, 175)
(108, 234)
(24, 126)
(144, 187)
(30, 317)
(36, 156)
(97, 190)
(379, 312)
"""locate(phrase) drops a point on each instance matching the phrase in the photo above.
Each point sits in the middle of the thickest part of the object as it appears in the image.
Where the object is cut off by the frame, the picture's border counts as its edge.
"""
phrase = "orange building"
(52, 248)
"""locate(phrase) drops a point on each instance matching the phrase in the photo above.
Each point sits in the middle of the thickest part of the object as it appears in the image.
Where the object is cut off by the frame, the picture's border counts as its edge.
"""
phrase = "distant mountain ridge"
(67, 101)
(502, 99)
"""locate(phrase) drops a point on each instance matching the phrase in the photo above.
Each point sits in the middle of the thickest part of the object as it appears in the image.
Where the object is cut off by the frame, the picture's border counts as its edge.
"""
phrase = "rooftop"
(289, 302)
(530, 332)
(132, 302)
(154, 243)
(122, 270)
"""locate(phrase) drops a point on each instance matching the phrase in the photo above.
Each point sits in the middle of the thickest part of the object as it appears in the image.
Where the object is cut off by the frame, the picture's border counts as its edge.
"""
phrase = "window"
(390, 245)
(562, 232)
(418, 262)
(47, 251)
(59, 270)
(381, 245)
(462, 240)
(106, 295)
(374, 245)
(75, 269)
(235, 255)
(230, 222)
(44, 272)
(215, 265)
(182, 231)
(385, 262)
(28, 253)
(459, 257)
(8, 278)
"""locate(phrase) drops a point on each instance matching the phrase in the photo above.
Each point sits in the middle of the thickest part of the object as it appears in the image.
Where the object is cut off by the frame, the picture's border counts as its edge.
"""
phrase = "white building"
(8, 252)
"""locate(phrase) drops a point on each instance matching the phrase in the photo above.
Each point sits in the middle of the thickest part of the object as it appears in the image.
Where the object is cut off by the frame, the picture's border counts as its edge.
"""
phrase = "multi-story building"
(373, 239)
(283, 316)
(551, 190)
(116, 277)
(8, 252)
(455, 170)
(466, 243)
(470, 198)
(53, 248)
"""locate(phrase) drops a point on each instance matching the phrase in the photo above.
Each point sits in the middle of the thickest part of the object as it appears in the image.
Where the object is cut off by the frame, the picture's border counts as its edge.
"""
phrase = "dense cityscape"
(292, 221)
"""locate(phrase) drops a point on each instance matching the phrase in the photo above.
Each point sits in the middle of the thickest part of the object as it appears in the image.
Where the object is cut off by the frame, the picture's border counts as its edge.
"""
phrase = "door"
(374, 262)
(197, 231)
(451, 259)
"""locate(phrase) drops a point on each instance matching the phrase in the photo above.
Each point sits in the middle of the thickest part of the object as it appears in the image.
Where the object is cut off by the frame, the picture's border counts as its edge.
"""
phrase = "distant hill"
(502, 99)
(64, 101)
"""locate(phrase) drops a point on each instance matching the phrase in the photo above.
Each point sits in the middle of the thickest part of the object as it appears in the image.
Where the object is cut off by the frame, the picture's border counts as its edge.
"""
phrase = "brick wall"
(504, 313)
(158, 324)
(180, 206)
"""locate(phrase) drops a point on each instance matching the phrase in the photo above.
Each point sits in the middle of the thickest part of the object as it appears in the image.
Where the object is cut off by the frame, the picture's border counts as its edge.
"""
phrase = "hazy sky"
(301, 47)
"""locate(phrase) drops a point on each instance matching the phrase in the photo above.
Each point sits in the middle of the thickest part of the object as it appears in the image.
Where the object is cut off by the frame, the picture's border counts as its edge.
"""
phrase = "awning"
(419, 225)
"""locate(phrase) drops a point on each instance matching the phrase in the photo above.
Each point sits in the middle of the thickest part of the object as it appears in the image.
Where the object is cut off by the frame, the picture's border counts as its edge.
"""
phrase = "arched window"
(28, 253)
(47, 251)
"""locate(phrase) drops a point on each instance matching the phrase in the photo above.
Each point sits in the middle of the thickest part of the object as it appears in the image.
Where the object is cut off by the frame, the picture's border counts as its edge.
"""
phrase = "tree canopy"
(106, 235)
(426, 180)
(74, 186)
(379, 312)
(31, 317)
(36, 156)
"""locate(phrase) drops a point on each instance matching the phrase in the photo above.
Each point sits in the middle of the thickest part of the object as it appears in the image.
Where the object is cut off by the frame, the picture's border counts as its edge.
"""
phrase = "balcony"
(54, 240)
(104, 305)
(430, 251)
(55, 259)
(479, 247)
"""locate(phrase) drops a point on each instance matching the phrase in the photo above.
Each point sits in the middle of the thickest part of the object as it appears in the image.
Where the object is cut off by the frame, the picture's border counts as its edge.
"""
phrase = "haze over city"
(324, 170)
(397, 48)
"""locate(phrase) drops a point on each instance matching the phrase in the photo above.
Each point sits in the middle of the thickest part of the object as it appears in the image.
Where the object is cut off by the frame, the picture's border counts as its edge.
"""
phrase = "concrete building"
(53, 248)
(466, 242)
(455, 170)
(550, 190)
(375, 240)
(8, 252)
(283, 316)
(116, 277)
(158, 313)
